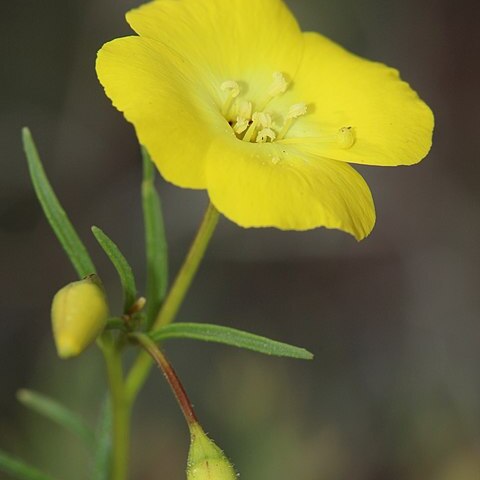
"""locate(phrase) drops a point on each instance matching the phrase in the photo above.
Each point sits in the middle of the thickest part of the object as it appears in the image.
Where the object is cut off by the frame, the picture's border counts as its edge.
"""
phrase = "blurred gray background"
(394, 390)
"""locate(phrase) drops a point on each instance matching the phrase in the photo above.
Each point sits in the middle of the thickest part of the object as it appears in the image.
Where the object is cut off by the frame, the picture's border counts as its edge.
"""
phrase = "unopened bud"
(205, 460)
(79, 314)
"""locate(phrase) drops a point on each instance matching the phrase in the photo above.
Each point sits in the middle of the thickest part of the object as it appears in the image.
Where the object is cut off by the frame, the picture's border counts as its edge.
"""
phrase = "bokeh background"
(394, 322)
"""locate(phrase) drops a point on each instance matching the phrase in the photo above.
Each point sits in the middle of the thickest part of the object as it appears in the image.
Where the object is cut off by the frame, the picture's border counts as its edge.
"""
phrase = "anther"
(251, 129)
(279, 85)
(295, 111)
(241, 125)
(263, 119)
(266, 134)
(244, 113)
(346, 137)
(244, 109)
(231, 87)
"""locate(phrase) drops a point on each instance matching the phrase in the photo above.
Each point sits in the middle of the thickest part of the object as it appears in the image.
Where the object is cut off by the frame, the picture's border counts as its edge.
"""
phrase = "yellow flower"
(232, 97)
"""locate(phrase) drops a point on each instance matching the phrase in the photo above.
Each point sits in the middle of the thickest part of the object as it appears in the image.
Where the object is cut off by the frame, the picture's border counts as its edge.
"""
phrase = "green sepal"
(56, 216)
(57, 413)
(123, 268)
(230, 336)
(206, 461)
(155, 241)
(19, 469)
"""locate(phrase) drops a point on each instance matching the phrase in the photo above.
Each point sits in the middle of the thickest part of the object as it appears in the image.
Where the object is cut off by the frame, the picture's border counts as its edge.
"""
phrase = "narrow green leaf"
(57, 413)
(19, 469)
(230, 336)
(54, 212)
(123, 268)
(155, 240)
(103, 443)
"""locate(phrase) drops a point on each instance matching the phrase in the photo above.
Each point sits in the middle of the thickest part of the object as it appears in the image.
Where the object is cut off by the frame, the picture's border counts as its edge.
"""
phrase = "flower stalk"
(170, 375)
(206, 461)
(188, 270)
(140, 369)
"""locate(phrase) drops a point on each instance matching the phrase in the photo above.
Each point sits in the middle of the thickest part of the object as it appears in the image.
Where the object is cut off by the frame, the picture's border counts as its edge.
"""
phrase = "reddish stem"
(171, 376)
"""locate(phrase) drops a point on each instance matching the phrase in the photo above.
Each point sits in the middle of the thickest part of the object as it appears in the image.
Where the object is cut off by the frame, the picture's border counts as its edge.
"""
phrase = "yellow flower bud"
(79, 314)
(205, 460)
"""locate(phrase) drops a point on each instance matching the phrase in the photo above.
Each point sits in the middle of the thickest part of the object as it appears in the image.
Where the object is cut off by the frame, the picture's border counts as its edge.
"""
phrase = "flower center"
(253, 123)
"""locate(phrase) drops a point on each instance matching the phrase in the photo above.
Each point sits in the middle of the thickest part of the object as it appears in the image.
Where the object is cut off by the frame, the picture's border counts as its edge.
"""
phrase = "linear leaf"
(230, 336)
(19, 469)
(103, 443)
(120, 263)
(54, 212)
(57, 413)
(155, 240)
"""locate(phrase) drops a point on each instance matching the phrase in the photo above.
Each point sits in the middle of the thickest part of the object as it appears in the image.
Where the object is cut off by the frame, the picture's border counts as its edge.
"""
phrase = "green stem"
(140, 369)
(188, 270)
(121, 408)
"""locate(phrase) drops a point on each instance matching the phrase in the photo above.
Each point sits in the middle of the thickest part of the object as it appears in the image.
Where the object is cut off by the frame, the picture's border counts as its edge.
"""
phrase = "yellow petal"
(173, 117)
(265, 185)
(390, 123)
(242, 40)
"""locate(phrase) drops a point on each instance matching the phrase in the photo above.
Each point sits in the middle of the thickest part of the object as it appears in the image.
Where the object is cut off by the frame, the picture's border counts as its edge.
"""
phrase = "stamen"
(244, 109)
(295, 111)
(233, 90)
(265, 134)
(279, 85)
(263, 119)
(346, 137)
(277, 88)
(251, 130)
(232, 87)
(241, 125)
(244, 113)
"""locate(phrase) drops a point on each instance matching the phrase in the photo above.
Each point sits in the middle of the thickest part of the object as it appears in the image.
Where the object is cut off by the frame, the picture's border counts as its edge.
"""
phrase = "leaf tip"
(308, 355)
(23, 395)
(26, 137)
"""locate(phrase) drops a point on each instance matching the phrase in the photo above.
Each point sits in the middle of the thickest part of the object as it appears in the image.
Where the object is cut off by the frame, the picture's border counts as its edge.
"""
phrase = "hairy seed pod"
(205, 460)
(79, 314)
